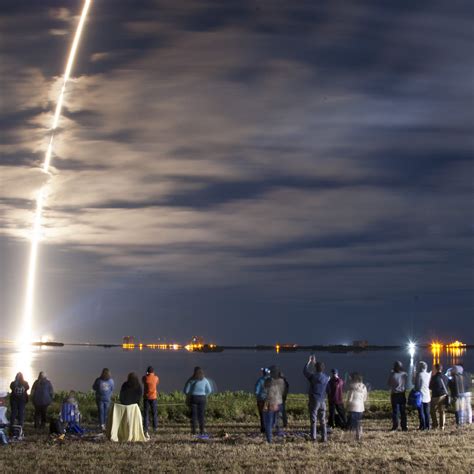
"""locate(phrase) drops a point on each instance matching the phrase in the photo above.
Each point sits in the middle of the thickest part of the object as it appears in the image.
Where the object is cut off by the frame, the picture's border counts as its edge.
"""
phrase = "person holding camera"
(318, 382)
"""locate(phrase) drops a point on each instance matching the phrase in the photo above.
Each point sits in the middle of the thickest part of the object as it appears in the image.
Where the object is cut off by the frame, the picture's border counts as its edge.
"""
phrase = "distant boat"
(48, 343)
(208, 348)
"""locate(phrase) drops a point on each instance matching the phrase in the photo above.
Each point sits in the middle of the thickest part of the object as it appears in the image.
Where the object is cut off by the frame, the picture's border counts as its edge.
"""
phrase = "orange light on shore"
(277, 348)
(436, 349)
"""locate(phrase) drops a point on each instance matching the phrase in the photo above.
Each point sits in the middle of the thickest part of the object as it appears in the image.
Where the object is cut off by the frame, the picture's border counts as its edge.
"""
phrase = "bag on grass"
(415, 398)
(16, 432)
(56, 427)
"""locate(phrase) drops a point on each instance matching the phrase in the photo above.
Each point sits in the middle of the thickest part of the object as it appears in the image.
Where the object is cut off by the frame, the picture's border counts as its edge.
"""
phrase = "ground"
(237, 447)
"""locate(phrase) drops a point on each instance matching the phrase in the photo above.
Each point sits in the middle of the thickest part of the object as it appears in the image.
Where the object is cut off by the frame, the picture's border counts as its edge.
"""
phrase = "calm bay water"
(76, 368)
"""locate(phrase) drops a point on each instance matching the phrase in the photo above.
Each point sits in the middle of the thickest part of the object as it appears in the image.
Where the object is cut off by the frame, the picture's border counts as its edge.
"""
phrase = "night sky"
(250, 172)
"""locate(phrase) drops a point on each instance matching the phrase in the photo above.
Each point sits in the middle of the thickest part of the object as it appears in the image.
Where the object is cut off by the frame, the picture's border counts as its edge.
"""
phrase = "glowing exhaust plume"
(26, 332)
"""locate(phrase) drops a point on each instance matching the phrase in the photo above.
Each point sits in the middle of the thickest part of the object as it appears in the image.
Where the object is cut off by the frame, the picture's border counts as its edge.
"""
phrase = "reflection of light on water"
(21, 360)
(436, 348)
(455, 352)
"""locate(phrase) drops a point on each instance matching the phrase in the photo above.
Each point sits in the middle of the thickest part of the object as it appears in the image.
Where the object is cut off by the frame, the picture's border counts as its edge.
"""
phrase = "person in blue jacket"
(42, 394)
(261, 395)
(197, 389)
(103, 387)
(317, 396)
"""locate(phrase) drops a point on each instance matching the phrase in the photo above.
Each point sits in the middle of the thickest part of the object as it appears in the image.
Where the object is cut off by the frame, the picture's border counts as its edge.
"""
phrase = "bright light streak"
(411, 349)
(26, 334)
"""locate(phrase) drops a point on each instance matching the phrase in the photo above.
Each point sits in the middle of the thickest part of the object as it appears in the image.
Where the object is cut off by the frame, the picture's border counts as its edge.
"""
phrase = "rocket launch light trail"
(26, 332)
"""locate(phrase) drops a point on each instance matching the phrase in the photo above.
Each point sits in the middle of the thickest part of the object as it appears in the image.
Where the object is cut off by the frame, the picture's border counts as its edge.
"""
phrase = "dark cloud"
(250, 161)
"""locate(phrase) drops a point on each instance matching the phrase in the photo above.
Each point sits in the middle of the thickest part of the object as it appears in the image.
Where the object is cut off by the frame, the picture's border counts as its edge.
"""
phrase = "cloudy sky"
(246, 171)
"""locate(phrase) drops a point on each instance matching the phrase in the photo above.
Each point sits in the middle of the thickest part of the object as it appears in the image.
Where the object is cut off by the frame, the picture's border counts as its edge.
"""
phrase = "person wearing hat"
(150, 395)
(261, 396)
(335, 400)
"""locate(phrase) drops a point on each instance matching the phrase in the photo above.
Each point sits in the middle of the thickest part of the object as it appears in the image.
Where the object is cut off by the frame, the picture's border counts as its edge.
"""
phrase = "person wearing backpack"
(103, 387)
(18, 399)
(440, 397)
(42, 396)
(422, 384)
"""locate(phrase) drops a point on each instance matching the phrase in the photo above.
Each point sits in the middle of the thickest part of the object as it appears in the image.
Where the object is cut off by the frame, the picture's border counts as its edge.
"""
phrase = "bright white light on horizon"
(26, 333)
(411, 349)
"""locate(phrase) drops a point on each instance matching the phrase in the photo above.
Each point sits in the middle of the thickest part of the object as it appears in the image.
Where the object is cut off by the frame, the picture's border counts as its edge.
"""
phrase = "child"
(70, 415)
(356, 397)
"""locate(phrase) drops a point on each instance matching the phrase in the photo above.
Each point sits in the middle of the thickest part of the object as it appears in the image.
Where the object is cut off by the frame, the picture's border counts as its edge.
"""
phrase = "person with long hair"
(356, 397)
(131, 391)
(18, 399)
(103, 387)
(42, 395)
(197, 389)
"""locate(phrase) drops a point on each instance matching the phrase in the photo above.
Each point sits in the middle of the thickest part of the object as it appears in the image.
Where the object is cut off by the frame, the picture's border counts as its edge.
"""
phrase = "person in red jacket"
(336, 402)
(150, 393)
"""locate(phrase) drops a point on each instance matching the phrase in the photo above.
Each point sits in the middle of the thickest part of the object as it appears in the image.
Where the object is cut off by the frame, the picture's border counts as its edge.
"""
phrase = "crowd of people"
(431, 394)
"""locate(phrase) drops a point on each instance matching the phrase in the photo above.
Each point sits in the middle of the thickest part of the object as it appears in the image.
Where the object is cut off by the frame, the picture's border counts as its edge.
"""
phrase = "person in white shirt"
(356, 396)
(422, 384)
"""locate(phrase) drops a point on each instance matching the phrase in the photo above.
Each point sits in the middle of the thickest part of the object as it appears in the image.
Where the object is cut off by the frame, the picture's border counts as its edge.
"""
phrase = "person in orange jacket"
(150, 393)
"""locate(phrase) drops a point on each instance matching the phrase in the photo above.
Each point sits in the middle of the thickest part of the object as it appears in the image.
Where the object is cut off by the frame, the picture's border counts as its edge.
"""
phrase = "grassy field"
(236, 445)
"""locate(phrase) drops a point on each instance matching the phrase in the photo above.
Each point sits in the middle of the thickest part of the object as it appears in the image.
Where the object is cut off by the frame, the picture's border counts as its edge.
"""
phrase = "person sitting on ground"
(261, 396)
(274, 388)
(70, 416)
(422, 384)
(335, 399)
(317, 396)
(131, 391)
(440, 397)
(150, 393)
(397, 382)
(197, 389)
(18, 399)
(42, 395)
(355, 398)
(103, 387)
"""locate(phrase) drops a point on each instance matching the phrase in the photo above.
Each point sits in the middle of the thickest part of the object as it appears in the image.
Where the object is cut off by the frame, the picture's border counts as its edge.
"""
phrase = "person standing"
(467, 395)
(317, 396)
(356, 397)
(18, 399)
(283, 414)
(261, 396)
(397, 382)
(150, 398)
(456, 385)
(335, 400)
(274, 388)
(440, 396)
(103, 387)
(197, 389)
(42, 395)
(422, 384)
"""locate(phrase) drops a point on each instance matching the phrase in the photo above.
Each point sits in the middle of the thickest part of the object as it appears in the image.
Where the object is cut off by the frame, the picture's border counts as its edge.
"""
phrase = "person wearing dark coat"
(42, 395)
(131, 391)
(18, 399)
(336, 402)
